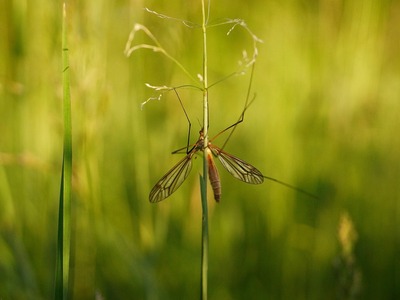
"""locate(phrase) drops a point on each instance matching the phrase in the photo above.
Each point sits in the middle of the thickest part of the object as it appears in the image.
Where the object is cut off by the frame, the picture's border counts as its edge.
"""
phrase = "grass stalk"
(203, 179)
(64, 213)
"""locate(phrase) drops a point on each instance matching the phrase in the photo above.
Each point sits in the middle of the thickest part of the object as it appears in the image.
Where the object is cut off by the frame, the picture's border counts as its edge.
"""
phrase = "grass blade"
(64, 216)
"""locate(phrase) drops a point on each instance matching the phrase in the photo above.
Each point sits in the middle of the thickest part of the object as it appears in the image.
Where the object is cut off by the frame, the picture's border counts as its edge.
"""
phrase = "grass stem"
(203, 179)
(64, 216)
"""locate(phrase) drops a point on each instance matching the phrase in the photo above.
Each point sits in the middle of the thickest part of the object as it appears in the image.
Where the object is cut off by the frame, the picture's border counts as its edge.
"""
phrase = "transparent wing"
(171, 181)
(237, 167)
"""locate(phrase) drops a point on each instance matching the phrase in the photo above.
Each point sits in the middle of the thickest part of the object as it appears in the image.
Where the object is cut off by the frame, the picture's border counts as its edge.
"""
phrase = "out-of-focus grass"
(325, 119)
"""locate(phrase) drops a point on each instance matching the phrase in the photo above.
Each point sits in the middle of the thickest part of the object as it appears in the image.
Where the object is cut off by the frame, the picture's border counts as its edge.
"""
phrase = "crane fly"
(240, 169)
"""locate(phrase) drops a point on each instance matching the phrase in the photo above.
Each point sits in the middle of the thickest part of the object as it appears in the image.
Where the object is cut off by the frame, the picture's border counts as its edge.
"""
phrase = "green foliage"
(325, 119)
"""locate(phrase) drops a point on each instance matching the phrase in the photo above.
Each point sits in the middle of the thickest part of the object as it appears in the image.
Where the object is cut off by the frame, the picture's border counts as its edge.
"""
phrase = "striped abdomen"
(214, 176)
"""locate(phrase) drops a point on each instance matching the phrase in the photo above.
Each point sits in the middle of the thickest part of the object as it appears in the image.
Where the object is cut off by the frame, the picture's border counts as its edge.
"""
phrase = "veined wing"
(237, 167)
(171, 181)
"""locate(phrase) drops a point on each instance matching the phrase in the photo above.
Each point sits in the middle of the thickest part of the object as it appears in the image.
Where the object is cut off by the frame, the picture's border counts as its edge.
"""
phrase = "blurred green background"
(325, 119)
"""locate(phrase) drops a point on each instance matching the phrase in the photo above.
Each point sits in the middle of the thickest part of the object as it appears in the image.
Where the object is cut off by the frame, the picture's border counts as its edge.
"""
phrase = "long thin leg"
(241, 117)
(187, 117)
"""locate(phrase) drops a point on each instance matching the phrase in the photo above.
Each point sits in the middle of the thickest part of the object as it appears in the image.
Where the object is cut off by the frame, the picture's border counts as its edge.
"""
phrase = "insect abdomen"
(214, 177)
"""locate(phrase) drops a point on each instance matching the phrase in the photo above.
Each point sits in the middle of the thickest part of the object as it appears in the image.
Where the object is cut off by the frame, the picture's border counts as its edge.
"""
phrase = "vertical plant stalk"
(64, 215)
(203, 179)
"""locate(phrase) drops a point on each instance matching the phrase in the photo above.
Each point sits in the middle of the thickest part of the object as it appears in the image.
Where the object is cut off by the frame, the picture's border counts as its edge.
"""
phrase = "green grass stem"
(203, 179)
(64, 216)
